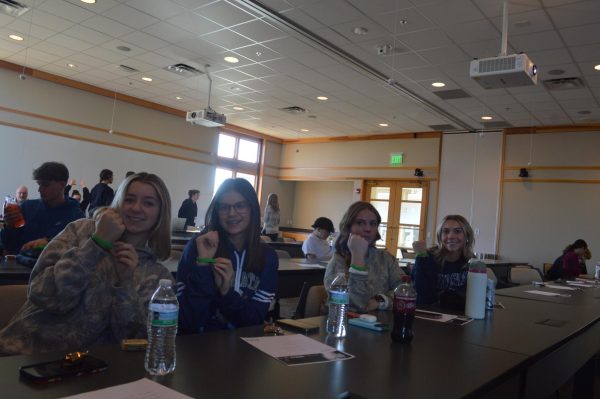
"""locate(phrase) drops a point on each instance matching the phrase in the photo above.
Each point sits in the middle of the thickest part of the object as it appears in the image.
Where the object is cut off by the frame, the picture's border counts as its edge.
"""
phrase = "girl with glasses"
(227, 277)
(440, 272)
(373, 273)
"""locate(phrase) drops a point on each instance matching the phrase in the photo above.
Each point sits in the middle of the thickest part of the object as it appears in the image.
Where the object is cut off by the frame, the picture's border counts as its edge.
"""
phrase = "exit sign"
(396, 158)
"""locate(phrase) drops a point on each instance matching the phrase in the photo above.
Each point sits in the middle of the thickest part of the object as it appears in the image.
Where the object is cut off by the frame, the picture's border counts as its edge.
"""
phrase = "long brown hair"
(341, 244)
(253, 245)
(159, 239)
(273, 201)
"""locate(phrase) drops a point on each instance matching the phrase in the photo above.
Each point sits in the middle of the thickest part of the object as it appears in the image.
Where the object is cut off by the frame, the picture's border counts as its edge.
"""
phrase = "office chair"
(312, 301)
(282, 254)
(524, 274)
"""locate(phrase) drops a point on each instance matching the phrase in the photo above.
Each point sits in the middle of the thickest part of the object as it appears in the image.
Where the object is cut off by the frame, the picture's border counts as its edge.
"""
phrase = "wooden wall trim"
(437, 191)
(430, 168)
(552, 167)
(500, 195)
(252, 133)
(102, 130)
(95, 141)
(530, 180)
(337, 178)
(590, 127)
(111, 94)
(392, 136)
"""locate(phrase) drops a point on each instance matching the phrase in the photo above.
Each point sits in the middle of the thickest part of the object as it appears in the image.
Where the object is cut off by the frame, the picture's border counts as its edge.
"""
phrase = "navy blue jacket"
(40, 222)
(202, 308)
(431, 279)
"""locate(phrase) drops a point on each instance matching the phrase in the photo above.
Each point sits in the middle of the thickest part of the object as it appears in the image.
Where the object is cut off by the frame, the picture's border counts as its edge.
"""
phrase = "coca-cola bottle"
(405, 302)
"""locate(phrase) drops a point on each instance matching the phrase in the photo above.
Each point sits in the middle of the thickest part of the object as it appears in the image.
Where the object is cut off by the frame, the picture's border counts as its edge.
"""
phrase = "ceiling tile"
(224, 13)
(259, 31)
(130, 17)
(575, 14)
(586, 34)
(86, 34)
(66, 10)
(227, 39)
(167, 32)
(451, 12)
(107, 26)
(144, 40)
(161, 9)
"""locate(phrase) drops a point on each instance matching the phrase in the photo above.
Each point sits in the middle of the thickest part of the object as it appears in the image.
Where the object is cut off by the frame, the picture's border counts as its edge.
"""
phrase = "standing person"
(76, 195)
(92, 283)
(189, 208)
(316, 247)
(440, 273)
(227, 277)
(102, 194)
(44, 217)
(21, 194)
(571, 263)
(271, 220)
(372, 273)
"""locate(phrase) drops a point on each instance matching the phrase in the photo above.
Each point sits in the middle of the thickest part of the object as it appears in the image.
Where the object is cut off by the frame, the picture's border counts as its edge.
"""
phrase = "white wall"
(315, 199)
(470, 183)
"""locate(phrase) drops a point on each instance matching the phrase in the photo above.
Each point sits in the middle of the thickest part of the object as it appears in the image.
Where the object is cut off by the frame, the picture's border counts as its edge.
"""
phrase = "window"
(238, 156)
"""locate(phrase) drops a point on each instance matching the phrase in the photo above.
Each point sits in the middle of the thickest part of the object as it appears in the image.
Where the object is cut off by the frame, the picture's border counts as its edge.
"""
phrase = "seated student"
(373, 273)
(316, 247)
(76, 195)
(226, 276)
(440, 273)
(571, 263)
(44, 217)
(93, 281)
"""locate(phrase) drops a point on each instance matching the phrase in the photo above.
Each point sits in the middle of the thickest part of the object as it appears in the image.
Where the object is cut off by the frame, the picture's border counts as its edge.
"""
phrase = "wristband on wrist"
(102, 243)
(359, 268)
(422, 254)
(203, 261)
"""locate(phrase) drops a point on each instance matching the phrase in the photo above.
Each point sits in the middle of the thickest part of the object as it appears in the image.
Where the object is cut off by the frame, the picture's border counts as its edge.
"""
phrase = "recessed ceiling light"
(231, 60)
(72, 65)
(146, 78)
(179, 98)
(384, 124)
(238, 108)
(89, 1)
(16, 37)
(322, 98)
(438, 84)
(304, 130)
(360, 30)
(486, 118)
(597, 67)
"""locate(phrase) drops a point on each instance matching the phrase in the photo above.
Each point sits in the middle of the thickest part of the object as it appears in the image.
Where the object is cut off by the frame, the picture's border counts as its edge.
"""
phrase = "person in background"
(372, 273)
(21, 194)
(76, 195)
(102, 194)
(271, 219)
(92, 283)
(440, 272)
(571, 263)
(227, 277)
(189, 209)
(44, 217)
(316, 247)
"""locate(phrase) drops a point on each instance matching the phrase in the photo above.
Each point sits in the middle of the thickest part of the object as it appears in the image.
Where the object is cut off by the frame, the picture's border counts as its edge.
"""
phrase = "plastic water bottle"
(338, 302)
(163, 311)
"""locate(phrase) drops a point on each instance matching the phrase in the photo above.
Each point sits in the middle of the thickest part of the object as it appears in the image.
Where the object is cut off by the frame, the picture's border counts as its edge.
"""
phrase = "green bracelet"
(205, 260)
(359, 268)
(422, 254)
(102, 243)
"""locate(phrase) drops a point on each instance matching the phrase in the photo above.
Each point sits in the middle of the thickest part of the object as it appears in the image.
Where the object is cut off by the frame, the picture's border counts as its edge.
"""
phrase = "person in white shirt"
(316, 247)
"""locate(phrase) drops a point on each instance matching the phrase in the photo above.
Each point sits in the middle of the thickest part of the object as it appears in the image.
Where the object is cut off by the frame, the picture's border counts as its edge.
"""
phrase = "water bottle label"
(339, 298)
(164, 319)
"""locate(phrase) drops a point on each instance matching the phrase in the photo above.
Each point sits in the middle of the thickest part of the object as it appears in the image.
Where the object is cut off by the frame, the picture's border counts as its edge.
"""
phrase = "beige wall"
(315, 199)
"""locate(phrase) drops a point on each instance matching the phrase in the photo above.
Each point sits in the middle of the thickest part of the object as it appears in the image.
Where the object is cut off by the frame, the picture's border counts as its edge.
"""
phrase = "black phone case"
(56, 370)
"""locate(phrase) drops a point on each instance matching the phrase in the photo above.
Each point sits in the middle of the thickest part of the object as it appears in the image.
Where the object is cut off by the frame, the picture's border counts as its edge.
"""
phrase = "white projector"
(206, 117)
(504, 71)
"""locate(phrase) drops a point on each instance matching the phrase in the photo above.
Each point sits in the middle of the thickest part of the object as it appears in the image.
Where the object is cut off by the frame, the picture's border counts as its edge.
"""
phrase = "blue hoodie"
(41, 221)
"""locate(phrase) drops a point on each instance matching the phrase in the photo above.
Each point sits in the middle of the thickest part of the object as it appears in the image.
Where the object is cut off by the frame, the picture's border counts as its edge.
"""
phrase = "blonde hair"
(159, 239)
(467, 251)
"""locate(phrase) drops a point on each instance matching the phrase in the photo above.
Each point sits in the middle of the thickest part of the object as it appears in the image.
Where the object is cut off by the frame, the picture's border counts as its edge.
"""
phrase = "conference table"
(526, 350)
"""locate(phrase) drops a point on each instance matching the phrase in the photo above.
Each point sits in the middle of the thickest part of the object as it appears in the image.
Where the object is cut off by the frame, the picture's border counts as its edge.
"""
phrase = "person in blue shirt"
(440, 272)
(227, 277)
(44, 217)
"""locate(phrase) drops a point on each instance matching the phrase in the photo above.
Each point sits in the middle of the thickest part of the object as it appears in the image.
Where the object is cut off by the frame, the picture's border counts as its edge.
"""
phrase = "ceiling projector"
(206, 117)
(504, 71)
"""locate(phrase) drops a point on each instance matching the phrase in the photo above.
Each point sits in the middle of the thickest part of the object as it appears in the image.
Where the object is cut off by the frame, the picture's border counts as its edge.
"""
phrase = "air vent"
(443, 128)
(183, 70)
(127, 69)
(496, 125)
(293, 110)
(451, 94)
(13, 8)
(563, 83)
(497, 64)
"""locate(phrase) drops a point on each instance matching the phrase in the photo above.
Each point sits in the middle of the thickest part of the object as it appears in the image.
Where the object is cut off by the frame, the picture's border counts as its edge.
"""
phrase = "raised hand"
(358, 247)
(109, 225)
(223, 274)
(419, 246)
(207, 244)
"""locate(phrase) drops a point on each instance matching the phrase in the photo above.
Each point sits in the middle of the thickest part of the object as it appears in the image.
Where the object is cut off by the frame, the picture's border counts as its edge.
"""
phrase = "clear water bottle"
(338, 304)
(163, 311)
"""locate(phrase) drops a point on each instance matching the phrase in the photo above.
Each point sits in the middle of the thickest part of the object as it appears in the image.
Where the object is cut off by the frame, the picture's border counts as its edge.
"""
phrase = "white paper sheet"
(140, 389)
(579, 284)
(547, 293)
(311, 265)
(296, 349)
(561, 287)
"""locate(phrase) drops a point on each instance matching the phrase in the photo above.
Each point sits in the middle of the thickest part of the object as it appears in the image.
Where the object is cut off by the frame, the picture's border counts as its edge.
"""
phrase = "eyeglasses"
(456, 230)
(239, 207)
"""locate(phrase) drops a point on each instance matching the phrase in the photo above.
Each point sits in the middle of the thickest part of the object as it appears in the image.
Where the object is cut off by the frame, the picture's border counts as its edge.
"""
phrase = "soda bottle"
(338, 303)
(163, 311)
(13, 217)
(405, 303)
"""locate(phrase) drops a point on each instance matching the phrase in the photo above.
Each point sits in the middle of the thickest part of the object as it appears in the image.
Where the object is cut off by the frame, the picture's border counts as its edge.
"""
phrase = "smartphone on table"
(56, 370)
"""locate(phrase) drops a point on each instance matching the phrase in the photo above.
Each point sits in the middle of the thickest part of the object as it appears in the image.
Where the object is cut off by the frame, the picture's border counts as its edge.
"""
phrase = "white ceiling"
(282, 66)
